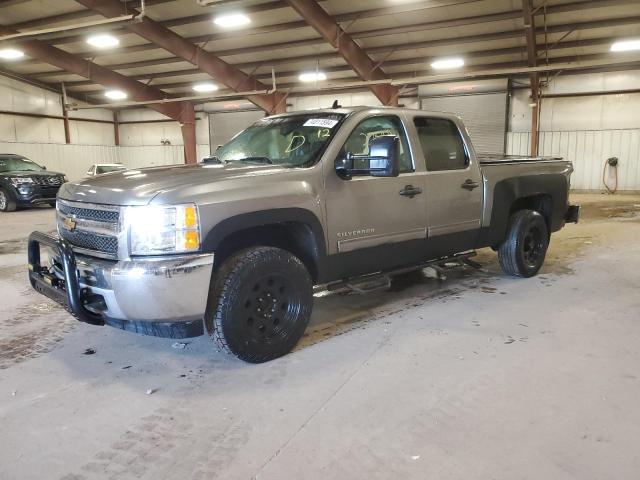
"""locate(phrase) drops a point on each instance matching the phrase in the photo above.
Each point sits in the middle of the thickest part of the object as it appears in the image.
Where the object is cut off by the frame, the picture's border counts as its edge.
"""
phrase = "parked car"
(100, 168)
(24, 183)
(233, 247)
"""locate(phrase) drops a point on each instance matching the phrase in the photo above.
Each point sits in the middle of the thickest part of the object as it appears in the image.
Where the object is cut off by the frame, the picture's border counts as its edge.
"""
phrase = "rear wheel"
(262, 304)
(7, 204)
(523, 251)
(52, 204)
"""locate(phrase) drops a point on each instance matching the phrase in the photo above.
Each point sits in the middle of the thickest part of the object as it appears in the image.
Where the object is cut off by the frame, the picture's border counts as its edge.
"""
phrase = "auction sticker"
(321, 122)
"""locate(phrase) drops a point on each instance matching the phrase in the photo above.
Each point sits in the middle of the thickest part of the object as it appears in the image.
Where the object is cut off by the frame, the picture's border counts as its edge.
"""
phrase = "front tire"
(262, 301)
(7, 203)
(523, 251)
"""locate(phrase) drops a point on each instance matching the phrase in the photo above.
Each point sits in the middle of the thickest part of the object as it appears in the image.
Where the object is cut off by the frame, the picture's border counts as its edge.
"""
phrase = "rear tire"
(52, 204)
(523, 251)
(262, 300)
(7, 203)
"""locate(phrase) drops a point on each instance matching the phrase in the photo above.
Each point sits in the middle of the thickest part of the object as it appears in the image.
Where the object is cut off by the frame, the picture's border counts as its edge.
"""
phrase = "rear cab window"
(442, 144)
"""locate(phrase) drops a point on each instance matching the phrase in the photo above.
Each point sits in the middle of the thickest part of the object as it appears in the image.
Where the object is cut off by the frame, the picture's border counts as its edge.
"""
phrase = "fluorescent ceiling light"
(205, 87)
(446, 63)
(115, 94)
(103, 40)
(11, 53)
(312, 77)
(626, 46)
(232, 20)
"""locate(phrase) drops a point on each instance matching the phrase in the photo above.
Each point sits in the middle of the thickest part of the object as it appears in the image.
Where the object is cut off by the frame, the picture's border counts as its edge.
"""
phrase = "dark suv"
(25, 183)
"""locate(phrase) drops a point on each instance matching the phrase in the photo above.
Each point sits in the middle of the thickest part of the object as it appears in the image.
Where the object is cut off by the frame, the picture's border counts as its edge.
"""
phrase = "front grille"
(47, 181)
(91, 241)
(110, 216)
(90, 227)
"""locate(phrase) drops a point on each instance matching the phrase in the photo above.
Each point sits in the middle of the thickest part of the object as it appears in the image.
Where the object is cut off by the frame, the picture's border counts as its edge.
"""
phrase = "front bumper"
(32, 195)
(160, 296)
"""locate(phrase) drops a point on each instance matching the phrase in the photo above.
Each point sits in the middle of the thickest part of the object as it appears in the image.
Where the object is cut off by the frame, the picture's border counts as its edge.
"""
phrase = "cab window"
(358, 141)
(441, 144)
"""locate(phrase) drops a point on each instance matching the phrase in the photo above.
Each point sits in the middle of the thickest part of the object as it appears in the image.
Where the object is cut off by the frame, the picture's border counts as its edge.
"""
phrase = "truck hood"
(139, 187)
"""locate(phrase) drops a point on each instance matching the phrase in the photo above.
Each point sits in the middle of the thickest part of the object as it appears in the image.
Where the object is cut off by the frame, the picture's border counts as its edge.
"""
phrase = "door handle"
(410, 191)
(469, 184)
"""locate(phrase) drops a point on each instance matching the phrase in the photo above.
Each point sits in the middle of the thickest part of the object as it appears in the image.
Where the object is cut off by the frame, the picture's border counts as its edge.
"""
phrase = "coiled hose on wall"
(612, 163)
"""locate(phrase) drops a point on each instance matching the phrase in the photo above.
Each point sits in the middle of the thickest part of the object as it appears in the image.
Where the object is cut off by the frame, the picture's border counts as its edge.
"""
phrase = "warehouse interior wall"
(585, 129)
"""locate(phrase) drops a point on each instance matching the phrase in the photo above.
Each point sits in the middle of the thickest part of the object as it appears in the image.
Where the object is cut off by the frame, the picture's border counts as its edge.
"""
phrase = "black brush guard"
(66, 292)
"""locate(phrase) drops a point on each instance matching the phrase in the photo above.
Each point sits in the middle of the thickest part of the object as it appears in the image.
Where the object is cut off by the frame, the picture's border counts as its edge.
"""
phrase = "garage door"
(483, 114)
(224, 125)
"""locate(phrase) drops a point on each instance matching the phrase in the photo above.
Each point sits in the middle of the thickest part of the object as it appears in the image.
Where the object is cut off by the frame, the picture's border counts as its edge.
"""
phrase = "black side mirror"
(383, 159)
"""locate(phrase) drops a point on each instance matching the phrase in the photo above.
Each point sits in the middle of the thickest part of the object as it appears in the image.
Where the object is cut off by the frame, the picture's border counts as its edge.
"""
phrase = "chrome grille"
(91, 241)
(111, 216)
(91, 228)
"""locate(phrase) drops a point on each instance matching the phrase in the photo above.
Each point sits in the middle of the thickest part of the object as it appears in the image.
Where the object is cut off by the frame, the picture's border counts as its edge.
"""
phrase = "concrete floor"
(479, 377)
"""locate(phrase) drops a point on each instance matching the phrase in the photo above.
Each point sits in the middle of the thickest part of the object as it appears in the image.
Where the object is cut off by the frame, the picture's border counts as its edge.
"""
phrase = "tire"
(7, 203)
(262, 299)
(523, 251)
(52, 204)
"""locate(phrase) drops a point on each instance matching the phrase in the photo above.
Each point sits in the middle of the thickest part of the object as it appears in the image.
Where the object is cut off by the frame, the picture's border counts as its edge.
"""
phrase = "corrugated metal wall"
(75, 160)
(588, 150)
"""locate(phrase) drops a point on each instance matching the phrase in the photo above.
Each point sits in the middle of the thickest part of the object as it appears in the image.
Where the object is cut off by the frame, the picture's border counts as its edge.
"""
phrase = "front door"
(367, 214)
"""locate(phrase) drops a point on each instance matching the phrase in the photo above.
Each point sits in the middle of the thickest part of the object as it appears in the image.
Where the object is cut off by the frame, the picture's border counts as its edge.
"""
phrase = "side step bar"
(382, 280)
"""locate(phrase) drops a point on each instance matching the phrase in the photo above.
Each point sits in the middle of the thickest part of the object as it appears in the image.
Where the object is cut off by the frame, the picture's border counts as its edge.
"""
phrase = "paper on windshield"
(321, 122)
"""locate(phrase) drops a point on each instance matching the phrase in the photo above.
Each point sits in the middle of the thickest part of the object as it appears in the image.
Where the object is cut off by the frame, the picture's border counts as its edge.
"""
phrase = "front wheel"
(7, 204)
(262, 301)
(522, 252)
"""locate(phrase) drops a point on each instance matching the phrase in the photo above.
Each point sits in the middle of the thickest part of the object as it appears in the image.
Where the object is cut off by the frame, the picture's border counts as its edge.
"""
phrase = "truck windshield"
(290, 141)
(14, 163)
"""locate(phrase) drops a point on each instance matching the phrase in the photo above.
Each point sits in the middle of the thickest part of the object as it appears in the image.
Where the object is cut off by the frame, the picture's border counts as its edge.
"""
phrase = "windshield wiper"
(266, 160)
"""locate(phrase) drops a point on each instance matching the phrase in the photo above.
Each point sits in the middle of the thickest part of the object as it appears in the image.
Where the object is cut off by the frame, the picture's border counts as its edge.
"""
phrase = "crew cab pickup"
(234, 247)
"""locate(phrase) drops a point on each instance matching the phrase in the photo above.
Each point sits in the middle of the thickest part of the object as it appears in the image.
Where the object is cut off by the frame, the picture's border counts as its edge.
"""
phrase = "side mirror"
(44, 168)
(383, 159)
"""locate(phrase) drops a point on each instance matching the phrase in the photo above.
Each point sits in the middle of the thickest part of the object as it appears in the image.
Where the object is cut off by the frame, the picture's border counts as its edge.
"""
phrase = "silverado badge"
(69, 224)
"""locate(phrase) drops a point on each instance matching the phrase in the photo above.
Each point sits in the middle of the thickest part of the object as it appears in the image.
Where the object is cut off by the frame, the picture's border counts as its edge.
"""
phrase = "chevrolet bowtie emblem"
(69, 224)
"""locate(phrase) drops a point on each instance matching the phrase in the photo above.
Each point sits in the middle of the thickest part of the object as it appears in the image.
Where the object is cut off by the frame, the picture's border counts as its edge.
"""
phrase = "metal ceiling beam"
(421, 60)
(288, 26)
(534, 79)
(341, 18)
(357, 58)
(208, 62)
(181, 111)
(445, 42)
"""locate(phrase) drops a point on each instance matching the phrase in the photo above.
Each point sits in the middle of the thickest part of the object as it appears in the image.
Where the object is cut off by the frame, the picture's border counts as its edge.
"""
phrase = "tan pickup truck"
(234, 246)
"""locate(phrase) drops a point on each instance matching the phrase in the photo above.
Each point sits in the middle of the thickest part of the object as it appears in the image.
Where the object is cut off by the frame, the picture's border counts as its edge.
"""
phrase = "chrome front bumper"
(161, 296)
(152, 289)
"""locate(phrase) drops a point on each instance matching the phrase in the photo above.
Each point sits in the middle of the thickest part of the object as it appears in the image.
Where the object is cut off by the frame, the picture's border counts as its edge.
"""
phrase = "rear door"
(453, 181)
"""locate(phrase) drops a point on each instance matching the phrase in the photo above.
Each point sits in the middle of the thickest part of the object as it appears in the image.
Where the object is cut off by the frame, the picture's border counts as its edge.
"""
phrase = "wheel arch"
(296, 230)
(545, 193)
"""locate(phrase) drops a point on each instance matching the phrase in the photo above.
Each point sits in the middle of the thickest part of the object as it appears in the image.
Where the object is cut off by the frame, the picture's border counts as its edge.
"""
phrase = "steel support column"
(534, 78)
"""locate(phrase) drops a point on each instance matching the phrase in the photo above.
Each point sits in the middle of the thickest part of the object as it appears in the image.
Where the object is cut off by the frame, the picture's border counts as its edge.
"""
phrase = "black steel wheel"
(262, 301)
(7, 203)
(525, 247)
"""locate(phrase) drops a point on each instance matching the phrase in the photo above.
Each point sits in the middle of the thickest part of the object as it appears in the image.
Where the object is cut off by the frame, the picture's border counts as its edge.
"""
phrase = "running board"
(382, 280)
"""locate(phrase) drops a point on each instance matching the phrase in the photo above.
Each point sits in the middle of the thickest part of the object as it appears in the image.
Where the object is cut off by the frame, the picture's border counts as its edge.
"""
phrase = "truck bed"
(498, 159)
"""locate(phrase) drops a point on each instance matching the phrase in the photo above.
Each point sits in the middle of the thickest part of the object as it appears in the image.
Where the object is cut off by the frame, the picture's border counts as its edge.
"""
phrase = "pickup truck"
(234, 247)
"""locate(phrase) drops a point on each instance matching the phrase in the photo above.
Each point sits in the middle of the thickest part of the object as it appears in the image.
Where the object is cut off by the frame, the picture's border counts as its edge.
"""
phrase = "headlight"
(21, 181)
(163, 229)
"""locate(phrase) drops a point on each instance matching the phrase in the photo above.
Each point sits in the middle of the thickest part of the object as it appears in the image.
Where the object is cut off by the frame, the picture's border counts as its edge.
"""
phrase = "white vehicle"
(100, 168)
